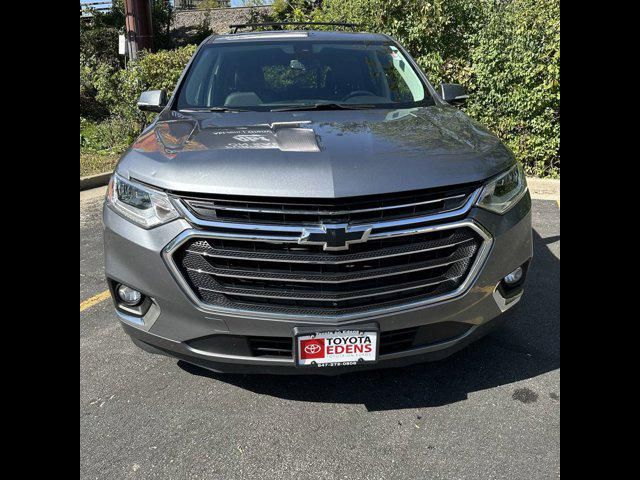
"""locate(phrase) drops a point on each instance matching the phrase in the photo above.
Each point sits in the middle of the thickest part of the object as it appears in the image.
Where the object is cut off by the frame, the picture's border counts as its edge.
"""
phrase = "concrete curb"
(544, 188)
(93, 181)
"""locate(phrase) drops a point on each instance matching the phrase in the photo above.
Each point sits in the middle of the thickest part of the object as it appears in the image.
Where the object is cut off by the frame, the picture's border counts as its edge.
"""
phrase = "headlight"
(505, 191)
(141, 205)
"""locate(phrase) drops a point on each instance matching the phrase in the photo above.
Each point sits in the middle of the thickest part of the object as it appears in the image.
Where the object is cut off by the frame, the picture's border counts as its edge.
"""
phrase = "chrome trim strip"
(481, 256)
(419, 220)
(503, 303)
(270, 349)
(324, 280)
(130, 319)
(334, 299)
(248, 237)
(327, 262)
(240, 358)
(191, 218)
(211, 206)
(403, 233)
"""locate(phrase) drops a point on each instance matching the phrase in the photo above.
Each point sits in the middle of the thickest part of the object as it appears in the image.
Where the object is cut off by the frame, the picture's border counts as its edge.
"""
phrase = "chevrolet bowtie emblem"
(335, 236)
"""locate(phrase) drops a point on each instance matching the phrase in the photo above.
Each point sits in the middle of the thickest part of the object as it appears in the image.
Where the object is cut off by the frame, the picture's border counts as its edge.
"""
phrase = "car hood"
(321, 154)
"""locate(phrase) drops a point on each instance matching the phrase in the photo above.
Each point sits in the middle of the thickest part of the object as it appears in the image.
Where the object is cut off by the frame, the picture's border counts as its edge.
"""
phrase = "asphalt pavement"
(491, 411)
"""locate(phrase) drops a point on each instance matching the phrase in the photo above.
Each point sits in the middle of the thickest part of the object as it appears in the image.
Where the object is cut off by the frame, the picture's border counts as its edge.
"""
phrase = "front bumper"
(134, 256)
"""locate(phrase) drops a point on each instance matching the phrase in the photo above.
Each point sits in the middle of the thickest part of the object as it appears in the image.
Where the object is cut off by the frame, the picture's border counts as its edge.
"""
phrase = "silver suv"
(306, 202)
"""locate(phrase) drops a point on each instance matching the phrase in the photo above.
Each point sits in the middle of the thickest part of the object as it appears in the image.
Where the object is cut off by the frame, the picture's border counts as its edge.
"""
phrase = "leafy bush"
(506, 53)
(516, 66)
(435, 32)
(161, 12)
(89, 106)
(113, 18)
(99, 44)
(113, 135)
(120, 88)
(109, 117)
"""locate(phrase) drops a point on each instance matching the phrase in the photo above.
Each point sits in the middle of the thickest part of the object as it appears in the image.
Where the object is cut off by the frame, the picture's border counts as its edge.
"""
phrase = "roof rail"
(281, 24)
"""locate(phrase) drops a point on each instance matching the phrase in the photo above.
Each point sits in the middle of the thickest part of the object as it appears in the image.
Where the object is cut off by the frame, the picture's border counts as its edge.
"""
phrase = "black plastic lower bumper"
(138, 338)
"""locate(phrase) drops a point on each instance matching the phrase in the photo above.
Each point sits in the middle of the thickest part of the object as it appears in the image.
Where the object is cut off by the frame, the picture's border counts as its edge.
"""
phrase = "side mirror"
(453, 93)
(152, 101)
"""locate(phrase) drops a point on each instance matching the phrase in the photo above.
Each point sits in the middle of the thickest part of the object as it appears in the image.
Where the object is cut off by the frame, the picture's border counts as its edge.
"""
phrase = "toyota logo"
(312, 348)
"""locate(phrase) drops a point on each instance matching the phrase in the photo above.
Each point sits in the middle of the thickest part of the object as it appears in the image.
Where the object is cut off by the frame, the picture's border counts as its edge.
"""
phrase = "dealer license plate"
(332, 348)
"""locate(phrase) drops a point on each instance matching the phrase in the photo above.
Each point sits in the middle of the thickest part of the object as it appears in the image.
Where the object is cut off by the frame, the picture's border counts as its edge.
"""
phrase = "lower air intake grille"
(390, 342)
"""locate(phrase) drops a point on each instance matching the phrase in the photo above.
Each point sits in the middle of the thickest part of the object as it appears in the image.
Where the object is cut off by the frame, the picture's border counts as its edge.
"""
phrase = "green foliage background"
(515, 64)
(505, 52)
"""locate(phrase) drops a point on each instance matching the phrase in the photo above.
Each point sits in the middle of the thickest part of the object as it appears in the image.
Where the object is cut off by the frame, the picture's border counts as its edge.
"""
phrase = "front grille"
(288, 266)
(354, 210)
(296, 279)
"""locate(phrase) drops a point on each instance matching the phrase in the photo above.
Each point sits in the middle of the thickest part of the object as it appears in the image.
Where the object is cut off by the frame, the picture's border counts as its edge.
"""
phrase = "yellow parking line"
(96, 299)
(558, 202)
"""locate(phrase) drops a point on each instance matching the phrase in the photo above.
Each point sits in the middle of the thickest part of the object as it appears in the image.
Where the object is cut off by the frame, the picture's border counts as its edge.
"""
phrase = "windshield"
(276, 75)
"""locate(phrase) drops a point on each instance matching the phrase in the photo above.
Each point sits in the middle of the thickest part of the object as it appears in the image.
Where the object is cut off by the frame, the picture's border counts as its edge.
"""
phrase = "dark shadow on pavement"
(527, 345)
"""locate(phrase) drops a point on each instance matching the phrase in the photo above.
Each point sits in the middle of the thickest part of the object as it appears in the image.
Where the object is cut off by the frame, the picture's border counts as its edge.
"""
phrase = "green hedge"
(436, 32)
(120, 88)
(516, 81)
(506, 52)
(117, 90)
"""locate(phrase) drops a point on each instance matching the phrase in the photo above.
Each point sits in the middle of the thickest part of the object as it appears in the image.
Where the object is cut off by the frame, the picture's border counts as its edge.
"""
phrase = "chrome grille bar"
(272, 233)
(325, 297)
(324, 278)
(212, 205)
(238, 255)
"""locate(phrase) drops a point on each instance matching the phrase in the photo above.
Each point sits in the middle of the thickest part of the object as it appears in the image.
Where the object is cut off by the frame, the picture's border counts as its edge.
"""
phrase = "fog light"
(128, 295)
(514, 277)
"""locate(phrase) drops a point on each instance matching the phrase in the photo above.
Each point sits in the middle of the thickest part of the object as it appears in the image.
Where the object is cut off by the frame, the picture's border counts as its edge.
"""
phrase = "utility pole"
(139, 26)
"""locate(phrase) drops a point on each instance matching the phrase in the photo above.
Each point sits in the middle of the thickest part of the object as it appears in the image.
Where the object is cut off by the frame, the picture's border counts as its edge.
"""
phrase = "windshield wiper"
(215, 109)
(325, 106)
